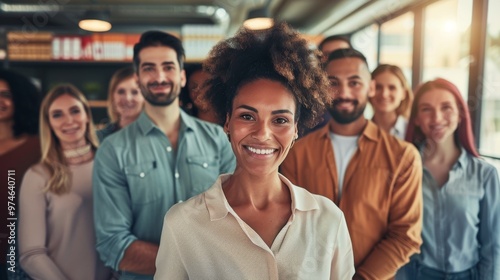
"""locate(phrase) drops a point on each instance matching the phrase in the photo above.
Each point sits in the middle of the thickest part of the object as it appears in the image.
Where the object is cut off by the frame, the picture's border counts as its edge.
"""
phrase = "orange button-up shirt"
(381, 194)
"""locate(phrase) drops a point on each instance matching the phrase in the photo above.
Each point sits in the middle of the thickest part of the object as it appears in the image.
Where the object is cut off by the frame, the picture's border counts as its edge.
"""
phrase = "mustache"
(156, 84)
(337, 101)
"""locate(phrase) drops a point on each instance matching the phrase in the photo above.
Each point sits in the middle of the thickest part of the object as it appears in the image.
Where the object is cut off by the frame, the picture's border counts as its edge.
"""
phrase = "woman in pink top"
(254, 223)
(56, 229)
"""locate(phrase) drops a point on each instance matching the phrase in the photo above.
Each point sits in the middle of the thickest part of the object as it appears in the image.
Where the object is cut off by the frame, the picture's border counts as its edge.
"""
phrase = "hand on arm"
(140, 258)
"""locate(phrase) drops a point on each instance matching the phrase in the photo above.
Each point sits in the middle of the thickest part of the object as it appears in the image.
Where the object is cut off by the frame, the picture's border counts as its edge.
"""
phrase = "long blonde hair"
(52, 155)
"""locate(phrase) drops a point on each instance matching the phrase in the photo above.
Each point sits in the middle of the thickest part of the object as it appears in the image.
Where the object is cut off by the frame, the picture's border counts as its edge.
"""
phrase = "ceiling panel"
(309, 16)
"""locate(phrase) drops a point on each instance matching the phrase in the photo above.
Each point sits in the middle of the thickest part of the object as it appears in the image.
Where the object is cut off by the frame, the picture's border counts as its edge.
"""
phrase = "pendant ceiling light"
(259, 19)
(95, 21)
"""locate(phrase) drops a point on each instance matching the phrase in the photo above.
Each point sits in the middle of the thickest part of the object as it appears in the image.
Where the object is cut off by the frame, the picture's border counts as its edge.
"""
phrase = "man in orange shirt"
(373, 177)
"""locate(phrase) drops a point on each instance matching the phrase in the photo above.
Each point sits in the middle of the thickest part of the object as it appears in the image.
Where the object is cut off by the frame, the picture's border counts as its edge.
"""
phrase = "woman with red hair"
(461, 191)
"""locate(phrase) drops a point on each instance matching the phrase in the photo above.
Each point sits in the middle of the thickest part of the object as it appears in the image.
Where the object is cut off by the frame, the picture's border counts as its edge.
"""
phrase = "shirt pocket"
(143, 185)
(204, 170)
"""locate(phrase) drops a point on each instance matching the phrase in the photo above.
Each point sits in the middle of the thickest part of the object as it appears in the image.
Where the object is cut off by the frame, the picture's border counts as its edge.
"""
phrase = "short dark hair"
(158, 38)
(279, 54)
(26, 99)
(346, 53)
(331, 38)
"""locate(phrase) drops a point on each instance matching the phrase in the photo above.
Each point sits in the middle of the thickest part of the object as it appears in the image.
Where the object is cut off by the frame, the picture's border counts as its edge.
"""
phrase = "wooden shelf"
(98, 103)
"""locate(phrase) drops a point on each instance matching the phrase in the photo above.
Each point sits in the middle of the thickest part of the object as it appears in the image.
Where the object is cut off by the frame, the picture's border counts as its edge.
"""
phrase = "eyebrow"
(70, 108)
(441, 103)
(153, 64)
(353, 77)
(275, 112)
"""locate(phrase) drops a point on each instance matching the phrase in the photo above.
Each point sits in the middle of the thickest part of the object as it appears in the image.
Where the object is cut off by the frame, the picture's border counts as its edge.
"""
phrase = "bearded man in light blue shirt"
(164, 157)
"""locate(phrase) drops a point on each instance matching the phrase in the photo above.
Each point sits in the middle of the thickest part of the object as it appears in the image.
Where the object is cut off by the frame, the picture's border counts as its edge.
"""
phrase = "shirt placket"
(439, 222)
(178, 169)
(444, 220)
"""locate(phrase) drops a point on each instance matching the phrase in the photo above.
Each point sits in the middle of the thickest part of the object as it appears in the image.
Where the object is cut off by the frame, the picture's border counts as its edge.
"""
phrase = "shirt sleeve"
(343, 260)
(228, 160)
(169, 263)
(489, 227)
(403, 236)
(33, 229)
(112, 207)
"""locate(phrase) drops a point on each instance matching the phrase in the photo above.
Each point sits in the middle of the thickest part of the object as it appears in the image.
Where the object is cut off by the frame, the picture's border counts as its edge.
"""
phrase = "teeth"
(261, 151)
(70, 130)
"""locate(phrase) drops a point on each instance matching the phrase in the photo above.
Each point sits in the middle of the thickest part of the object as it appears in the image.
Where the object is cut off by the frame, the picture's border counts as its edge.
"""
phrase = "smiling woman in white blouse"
(254, 223)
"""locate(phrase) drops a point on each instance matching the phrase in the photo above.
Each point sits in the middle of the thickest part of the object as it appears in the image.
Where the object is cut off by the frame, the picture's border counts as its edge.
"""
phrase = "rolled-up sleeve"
(112, 207)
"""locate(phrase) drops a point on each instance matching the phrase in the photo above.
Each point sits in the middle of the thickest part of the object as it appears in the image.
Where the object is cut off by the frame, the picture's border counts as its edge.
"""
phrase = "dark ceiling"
(309, 16)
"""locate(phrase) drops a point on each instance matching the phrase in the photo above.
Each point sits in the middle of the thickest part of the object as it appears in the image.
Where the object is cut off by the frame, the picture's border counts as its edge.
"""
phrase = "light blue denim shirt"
(461, 227)
(138, 177)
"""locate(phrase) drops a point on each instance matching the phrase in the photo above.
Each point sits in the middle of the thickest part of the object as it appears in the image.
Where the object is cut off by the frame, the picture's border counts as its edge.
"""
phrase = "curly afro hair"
(279, 54)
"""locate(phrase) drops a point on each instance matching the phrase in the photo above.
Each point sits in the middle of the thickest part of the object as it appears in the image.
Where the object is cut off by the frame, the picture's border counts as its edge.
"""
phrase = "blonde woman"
(392, 100)
(56, 228)
(125, 101)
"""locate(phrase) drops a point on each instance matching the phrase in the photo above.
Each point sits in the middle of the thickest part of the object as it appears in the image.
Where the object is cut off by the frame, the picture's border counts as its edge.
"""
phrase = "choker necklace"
(77, 152)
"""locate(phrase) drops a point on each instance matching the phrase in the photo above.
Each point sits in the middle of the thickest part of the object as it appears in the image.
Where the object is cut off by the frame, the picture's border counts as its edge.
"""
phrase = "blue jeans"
(416, 271)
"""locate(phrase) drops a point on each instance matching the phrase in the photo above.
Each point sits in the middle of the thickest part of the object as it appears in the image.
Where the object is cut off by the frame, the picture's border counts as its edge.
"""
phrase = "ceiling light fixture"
(259, 19)
(95, 21)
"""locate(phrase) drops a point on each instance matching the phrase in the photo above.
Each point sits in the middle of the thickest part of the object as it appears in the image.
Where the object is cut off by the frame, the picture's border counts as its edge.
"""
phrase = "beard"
(343, 117)
(160, 99)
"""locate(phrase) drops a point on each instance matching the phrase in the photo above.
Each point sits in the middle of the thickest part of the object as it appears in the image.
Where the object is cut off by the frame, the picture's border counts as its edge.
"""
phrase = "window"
(446, 42)
(366, 41)
(396, 43)
(490, 114)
